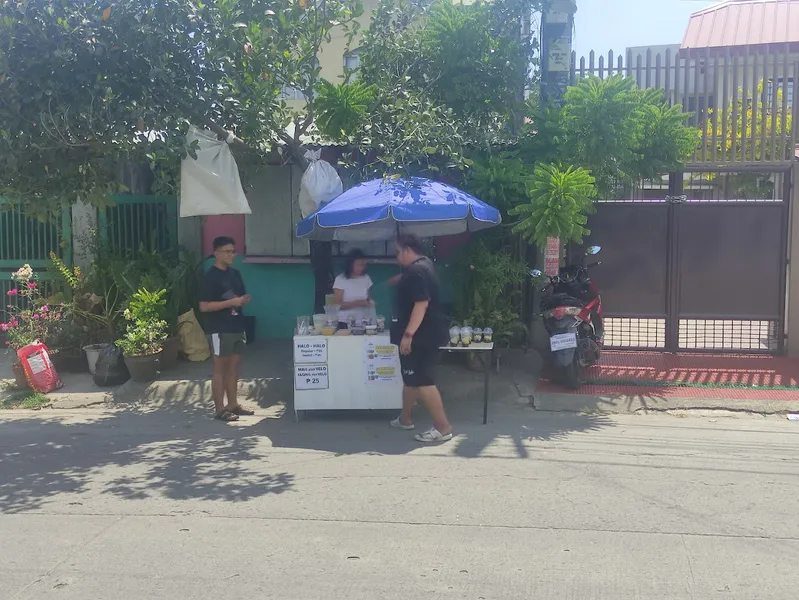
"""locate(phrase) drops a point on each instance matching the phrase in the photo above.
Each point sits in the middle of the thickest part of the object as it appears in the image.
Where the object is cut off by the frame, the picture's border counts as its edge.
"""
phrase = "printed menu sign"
(310, 377)
(310, 350)
(382, 363)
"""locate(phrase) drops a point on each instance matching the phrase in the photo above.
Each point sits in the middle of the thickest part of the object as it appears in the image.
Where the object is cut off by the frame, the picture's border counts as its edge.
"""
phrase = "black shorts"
(418, 367)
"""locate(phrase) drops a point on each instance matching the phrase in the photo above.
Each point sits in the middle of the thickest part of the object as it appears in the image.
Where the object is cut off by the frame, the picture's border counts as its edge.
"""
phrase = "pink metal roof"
(744, 22)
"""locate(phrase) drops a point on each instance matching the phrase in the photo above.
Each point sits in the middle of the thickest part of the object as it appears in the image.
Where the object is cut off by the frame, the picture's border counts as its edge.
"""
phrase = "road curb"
(642, 404)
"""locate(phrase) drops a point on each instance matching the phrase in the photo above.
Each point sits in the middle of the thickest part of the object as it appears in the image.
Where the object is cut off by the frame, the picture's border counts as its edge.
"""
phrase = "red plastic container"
(39, 369)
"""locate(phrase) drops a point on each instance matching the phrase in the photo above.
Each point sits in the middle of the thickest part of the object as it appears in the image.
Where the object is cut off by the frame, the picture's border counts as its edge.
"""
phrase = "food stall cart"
(346, 372)
(341, 371)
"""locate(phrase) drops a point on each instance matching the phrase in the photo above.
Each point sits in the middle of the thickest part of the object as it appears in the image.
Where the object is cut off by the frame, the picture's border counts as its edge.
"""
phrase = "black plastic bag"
(111, 368)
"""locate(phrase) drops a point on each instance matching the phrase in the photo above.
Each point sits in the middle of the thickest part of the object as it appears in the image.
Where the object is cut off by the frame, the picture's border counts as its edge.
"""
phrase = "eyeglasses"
(232, 252)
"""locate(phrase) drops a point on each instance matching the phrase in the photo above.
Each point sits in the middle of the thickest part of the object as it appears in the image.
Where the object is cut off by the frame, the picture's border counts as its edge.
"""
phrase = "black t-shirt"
(218, 286)
(419, 283)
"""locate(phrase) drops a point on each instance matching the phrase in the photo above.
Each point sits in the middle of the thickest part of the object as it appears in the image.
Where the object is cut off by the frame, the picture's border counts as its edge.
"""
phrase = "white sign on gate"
(310, 350)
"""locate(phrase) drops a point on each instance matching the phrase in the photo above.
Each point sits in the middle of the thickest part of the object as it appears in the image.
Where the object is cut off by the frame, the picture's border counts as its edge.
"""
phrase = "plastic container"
(381, 323)
(371, 329)
(488, 335)
(477, 337)
(330, 327)
(331, 313)
(454, 336)
(303, 324)
(318, 322)
(466, 336)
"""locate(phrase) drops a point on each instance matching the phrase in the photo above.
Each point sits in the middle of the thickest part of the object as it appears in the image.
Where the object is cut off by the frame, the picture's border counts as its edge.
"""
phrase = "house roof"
(742, 23)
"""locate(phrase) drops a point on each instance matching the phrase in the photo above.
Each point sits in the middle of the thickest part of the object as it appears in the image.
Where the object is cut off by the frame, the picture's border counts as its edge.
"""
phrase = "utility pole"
(557, 25)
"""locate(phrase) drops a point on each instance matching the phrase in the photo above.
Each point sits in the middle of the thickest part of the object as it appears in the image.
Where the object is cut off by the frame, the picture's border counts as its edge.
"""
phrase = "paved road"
(171, 505)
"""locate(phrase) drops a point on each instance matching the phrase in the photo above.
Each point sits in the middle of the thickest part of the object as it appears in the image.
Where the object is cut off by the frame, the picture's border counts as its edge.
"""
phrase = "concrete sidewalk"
(266, 381)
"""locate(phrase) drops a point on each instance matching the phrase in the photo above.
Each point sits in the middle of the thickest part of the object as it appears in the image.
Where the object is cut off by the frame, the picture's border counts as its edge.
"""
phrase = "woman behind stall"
(352, 288)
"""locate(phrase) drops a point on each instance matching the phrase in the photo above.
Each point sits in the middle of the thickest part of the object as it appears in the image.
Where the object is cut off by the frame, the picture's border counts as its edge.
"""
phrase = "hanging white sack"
(320, 183)
(210, 185)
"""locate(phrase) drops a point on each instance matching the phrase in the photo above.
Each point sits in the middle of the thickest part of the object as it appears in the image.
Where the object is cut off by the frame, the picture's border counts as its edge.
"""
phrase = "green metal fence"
(27, 240)
(134, 223)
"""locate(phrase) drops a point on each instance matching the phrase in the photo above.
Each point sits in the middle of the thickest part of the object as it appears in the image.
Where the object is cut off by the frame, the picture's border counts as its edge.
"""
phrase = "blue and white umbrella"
(379, 209)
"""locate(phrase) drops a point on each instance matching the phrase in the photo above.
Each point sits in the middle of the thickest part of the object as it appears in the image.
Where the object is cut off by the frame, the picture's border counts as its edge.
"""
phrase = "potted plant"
(92, 317)
(146, 332)
(182, 294)
(29, 319)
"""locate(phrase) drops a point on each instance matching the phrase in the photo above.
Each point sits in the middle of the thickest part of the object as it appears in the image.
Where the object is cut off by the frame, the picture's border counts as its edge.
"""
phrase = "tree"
(743, 133)
(608, 134)
(443, 80)
(85, 84)
(560, 199)
(739, 131)
(618, 132)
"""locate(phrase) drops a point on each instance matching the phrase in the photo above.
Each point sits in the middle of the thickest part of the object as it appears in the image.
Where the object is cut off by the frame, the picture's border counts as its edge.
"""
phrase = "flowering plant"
(146, 330)
(30, 318)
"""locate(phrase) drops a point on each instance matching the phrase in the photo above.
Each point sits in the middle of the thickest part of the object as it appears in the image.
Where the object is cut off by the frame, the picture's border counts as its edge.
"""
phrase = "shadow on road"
(168, 445)
(178, 462)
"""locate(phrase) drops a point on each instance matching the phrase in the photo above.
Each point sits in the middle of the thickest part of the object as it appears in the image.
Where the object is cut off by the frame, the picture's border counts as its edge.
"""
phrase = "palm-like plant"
(559, 202)
(341, 108)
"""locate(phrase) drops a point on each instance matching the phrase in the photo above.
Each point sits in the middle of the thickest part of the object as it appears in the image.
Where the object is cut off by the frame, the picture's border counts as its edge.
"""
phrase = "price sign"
(310, 377)
(310, 350)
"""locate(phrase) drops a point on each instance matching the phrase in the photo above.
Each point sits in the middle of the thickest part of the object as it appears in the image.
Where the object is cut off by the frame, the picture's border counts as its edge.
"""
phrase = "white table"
(350, 372)
(486, 353)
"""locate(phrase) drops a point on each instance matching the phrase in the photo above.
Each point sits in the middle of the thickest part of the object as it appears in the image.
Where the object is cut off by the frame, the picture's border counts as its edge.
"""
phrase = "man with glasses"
(222, 299)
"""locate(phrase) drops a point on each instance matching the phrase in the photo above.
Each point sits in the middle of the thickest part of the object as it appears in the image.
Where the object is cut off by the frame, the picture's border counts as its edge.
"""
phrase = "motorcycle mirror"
(536, 273)
(593, 250)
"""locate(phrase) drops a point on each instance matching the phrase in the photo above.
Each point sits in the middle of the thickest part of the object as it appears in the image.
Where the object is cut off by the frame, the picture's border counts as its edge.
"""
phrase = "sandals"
(397, 424)
(433, 436)
(226, 416)
(241, 411)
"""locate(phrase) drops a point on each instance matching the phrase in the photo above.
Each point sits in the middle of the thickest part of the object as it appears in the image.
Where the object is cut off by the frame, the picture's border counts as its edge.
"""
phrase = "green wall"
(282, 292)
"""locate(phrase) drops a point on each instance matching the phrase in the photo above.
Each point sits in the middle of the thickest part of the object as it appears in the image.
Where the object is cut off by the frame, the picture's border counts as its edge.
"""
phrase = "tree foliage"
(559, 202)
(740, 130)
(615, 130)
(87, 83)
(451, 78)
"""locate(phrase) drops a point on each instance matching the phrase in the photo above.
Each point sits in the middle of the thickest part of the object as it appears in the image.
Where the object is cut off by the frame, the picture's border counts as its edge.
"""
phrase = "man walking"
(222, 299)
(419, 331)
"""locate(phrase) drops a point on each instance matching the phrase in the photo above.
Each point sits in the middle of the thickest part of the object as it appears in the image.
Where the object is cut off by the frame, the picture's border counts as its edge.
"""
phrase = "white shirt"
(354, 289)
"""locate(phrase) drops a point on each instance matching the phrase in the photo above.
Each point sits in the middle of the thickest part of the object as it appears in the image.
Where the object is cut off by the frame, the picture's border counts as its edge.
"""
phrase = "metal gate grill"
(700, 270)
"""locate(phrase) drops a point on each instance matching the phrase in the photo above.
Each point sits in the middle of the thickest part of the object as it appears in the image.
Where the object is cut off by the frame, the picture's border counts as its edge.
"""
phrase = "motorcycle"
(572, 312)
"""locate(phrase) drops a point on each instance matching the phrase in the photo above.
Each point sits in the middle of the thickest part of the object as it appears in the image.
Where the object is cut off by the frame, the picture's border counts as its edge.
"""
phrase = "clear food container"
(454, 336)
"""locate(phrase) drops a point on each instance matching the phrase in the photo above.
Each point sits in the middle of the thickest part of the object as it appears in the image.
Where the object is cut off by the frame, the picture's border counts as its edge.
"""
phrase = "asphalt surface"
(172, 505)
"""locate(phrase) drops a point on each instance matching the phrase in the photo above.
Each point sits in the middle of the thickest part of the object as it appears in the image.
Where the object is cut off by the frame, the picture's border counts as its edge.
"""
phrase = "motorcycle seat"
(557, 300)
